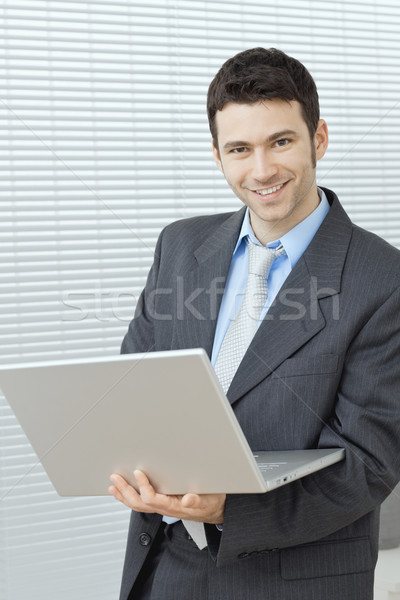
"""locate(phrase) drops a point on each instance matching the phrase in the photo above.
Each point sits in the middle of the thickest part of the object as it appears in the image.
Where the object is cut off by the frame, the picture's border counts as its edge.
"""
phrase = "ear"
(217, 157)
(321, 139)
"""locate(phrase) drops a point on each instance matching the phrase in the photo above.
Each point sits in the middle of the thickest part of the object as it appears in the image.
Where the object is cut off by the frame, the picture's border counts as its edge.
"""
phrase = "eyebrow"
(272, 138)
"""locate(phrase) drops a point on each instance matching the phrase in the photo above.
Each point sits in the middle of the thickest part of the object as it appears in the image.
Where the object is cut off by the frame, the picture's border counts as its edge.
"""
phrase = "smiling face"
(268, 159)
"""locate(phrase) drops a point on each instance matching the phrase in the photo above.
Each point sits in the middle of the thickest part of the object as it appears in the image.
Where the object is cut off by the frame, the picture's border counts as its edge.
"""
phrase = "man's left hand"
(206, 508)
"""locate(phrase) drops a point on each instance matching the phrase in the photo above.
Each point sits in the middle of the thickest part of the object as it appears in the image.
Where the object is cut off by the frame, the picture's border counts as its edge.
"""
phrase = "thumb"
(190, 501)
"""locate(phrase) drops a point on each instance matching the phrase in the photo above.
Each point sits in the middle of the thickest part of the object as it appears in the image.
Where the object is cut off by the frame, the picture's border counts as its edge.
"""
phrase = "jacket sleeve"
(140, 336)
(366, 422)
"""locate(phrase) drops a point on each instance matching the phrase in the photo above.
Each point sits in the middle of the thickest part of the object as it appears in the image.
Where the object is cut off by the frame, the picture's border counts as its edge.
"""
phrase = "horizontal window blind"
(103, 141)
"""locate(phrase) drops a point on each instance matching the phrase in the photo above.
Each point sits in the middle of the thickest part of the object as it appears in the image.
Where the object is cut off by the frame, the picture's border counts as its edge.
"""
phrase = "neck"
(270, 231)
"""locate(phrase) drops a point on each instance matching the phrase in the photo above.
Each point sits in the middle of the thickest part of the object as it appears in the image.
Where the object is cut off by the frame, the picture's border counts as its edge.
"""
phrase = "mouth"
(269, 191)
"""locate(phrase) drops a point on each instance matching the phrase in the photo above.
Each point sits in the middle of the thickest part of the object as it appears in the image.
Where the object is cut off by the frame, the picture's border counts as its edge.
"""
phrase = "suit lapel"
(202, 286)
(295, 317)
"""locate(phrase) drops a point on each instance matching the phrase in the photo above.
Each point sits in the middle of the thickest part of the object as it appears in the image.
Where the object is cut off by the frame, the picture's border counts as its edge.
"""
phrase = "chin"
(272, 216)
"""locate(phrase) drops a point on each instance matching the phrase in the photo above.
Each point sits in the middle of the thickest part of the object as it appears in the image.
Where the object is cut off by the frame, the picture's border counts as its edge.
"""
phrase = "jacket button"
(144, 539)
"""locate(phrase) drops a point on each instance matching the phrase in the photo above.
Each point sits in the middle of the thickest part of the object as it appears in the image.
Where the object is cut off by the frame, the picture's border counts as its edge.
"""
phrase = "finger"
(115, 492)
(126, 493)
(147, 492)
(119, 482)
(163, 504)
(140, 477)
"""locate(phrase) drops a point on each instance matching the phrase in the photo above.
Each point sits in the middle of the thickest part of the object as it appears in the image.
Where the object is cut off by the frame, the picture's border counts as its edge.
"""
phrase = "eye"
(282, 142)
(239, 150)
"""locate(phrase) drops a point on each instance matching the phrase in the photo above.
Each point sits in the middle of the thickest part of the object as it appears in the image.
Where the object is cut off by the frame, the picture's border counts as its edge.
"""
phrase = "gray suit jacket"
(323, 370)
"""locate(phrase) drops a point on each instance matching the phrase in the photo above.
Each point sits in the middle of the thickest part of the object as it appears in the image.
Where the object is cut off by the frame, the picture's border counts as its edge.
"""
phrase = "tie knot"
(261, 258)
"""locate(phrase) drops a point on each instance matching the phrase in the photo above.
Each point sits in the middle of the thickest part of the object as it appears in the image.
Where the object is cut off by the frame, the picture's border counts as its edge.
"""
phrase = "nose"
(263, 168)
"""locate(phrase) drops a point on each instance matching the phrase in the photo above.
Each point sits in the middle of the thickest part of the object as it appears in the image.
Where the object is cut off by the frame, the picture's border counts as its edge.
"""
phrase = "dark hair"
(261, 74)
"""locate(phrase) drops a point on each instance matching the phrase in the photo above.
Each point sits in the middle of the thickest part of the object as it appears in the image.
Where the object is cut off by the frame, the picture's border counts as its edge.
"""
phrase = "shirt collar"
(297, 239)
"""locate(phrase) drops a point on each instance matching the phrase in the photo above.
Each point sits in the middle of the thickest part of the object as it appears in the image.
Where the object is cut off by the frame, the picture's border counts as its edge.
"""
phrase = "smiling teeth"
(270, 190)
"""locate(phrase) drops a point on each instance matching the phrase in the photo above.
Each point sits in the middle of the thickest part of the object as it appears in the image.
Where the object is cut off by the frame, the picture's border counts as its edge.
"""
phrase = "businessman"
(315, 364)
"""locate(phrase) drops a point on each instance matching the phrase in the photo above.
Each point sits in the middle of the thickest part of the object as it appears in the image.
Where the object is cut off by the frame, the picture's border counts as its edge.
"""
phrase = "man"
(322, 369)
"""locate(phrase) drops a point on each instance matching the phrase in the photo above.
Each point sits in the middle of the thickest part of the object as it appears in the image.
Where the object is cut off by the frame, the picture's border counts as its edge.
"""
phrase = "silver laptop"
(162, 412)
